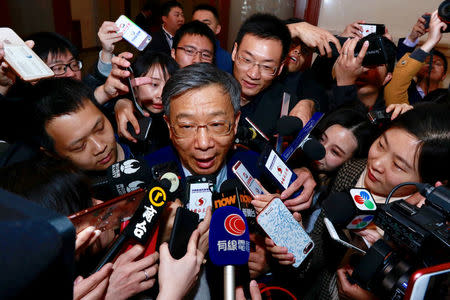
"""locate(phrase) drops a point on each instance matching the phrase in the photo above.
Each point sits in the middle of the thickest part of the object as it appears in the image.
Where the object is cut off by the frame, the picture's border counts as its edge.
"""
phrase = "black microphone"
(121, 178)
(245, 134)
(233, 194)
(354, 209)
(313, 149)
(142, 223)
(290, 126)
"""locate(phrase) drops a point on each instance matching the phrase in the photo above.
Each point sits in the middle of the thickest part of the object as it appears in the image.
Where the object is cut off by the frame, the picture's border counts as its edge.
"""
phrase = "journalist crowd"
(355, 144)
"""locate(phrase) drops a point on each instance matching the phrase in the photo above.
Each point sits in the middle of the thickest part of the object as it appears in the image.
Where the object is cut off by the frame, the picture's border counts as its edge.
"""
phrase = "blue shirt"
(223, 59)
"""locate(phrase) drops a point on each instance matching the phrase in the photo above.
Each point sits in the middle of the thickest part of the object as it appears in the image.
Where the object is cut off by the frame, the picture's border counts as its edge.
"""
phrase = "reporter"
(156, 68)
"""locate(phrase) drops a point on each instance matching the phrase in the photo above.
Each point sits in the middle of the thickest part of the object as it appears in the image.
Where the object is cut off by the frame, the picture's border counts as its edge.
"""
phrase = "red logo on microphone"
(234, 225)
(200, 201)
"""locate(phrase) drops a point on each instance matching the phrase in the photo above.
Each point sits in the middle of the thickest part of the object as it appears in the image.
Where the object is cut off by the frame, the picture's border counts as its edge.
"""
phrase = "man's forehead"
(202, 14)
(253, 44)
(193, 40)
(60, 57)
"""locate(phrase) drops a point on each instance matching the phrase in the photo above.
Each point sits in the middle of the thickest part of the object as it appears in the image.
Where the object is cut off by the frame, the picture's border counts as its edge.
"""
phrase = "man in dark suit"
(172, 19)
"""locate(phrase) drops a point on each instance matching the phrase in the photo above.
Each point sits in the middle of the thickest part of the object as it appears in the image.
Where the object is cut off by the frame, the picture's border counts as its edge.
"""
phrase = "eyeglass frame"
(253, 63)
(187, 48)
(230, 128)
(79, 62)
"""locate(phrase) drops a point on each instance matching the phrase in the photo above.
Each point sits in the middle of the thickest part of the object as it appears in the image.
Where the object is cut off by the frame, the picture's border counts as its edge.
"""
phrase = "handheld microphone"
(310, 146)
(232, 194)
(353, 210)
(142, 223)
(229, 244)
(289, 126)
(245, 134)
(121, 178)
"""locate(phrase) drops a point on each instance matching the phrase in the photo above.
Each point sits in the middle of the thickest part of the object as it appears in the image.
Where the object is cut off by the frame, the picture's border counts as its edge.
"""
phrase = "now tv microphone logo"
(363, 199)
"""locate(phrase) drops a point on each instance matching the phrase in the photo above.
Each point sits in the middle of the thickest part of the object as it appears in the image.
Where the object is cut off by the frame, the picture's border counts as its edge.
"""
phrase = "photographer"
(402, 89)
(360, 84)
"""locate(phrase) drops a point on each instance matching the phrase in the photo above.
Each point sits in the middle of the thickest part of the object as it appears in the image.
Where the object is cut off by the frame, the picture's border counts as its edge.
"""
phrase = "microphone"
(229, 244)
(353, 210)
(121, 178)
(245, 134)
(232, 194)
(142, 223)
(289, 126)
(310, 146)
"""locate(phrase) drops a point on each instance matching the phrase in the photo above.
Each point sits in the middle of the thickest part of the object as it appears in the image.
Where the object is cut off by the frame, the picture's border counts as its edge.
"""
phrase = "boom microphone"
(142, 223)
(229, 244)
(353, 210)
(121, 178)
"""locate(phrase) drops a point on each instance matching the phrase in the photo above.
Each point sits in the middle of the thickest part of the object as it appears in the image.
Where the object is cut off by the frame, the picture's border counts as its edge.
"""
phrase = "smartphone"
(279, 224)
(199, 193)
(272, 163)
(22, 60)
(340, 238)
(144, 124)
(133, 92)
(135, 35)
(241, 172)
(368, 28)
(429, 283)
(109, 214)
(377, 117)
(184, 224)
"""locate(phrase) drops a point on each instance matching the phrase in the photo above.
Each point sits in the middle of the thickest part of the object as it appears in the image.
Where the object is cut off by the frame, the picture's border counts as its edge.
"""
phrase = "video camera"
(420, 237)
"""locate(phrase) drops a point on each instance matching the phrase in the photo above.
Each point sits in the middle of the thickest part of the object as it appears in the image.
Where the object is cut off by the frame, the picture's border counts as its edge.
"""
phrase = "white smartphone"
(280, 225)
(335, 236)
(22, 60)
(135, 35)
(241, 172)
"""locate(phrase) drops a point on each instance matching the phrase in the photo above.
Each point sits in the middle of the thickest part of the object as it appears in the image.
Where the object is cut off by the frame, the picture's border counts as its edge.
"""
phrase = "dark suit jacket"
(159, 42)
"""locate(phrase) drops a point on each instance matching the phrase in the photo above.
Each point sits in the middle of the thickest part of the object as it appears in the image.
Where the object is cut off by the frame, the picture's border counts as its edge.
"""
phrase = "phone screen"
(133, 33)
(247, 179)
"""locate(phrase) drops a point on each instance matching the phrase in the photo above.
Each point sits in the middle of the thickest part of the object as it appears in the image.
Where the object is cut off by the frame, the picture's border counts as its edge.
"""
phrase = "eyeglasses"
(214, 128)
(60, 69)
(205, 55)
(247, 63)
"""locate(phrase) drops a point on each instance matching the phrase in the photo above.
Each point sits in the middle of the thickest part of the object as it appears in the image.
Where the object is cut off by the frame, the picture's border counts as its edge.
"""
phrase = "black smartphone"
(184, 224)
(144, 125)
(144, 122)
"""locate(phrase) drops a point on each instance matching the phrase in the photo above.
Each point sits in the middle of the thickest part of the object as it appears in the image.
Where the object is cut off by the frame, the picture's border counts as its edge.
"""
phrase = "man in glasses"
(194, 42)
(201, 106)
(259, 52)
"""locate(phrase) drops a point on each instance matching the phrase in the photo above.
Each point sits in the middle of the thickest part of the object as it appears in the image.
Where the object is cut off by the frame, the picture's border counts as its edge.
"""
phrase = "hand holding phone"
(22, 60)
(279, 224)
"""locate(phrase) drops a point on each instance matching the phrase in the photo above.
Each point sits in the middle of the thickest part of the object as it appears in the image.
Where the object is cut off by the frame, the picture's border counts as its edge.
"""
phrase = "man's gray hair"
(197, 76)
